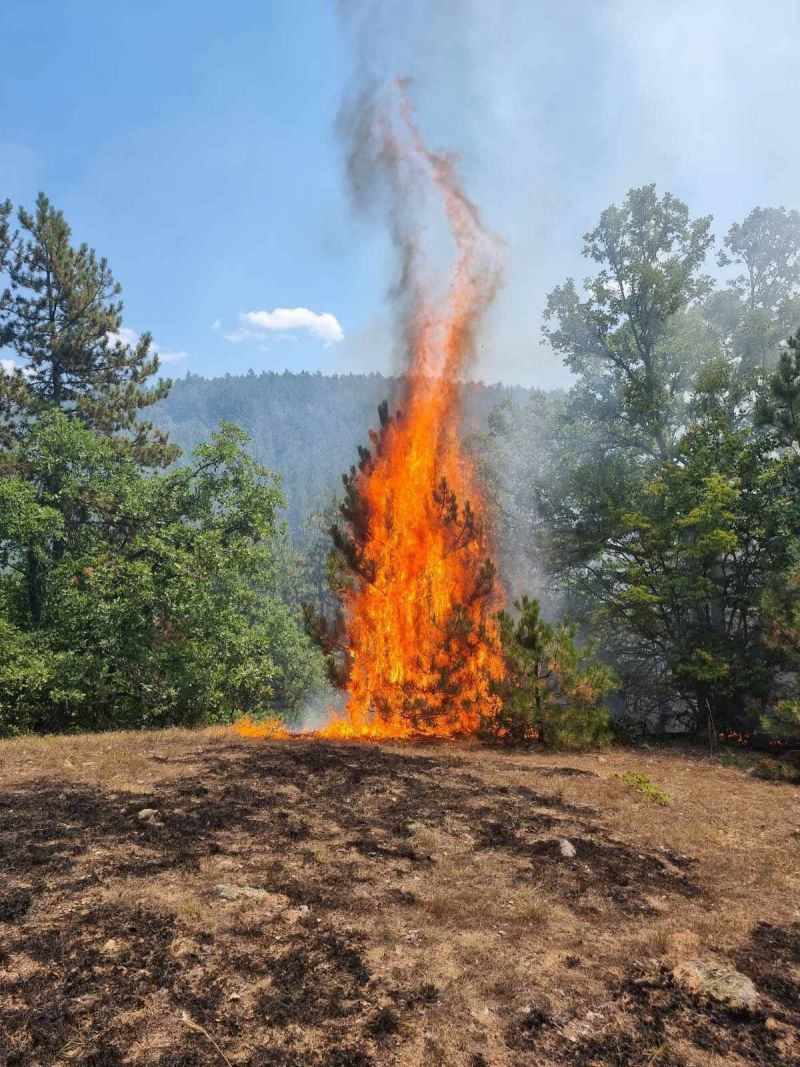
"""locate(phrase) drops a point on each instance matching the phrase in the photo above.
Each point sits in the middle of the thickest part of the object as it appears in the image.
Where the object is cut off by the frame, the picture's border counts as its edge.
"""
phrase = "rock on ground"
(249, 892)
(717, 981)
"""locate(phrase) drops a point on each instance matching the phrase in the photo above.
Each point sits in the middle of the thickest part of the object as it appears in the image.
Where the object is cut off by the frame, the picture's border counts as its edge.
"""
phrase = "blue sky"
(193, 144)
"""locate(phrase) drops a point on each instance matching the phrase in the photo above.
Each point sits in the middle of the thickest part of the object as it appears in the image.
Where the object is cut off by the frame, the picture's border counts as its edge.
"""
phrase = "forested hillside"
(305, 427)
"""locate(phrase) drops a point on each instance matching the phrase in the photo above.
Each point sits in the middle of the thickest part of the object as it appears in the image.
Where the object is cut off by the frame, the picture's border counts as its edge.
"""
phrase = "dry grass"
(419, 907)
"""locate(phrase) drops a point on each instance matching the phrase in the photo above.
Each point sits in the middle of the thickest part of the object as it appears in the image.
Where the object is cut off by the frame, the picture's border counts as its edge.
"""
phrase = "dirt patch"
(321, 977)
(14, 903)
(626, 876)
(772, 959)
(58, 1002)
(419, 906)
(541, 771)
(649, 1020)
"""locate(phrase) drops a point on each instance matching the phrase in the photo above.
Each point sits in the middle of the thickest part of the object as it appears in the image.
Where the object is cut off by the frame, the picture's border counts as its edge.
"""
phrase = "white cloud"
(215, 325)
(130, 337)
(11, 365)
(282, 320)
(125, 336)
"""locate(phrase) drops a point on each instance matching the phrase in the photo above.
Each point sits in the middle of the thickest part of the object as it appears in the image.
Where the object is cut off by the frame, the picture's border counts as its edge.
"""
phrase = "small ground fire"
(421, 641)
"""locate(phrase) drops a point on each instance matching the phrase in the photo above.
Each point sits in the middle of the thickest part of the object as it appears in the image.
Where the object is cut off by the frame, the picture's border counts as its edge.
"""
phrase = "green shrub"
(155, 593)
(782, 720)
(25, 673)
(553, 689)
(760, 765)
(640, 782)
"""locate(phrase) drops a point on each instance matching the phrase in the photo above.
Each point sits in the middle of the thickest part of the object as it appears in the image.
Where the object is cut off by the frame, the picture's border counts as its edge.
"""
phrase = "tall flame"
(421, 641)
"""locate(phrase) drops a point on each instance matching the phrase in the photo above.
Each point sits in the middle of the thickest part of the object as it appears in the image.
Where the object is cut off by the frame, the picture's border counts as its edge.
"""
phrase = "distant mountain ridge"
(306, 427)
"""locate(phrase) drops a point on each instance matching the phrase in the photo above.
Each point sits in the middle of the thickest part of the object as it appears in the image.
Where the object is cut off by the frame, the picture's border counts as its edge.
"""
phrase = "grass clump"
(768, 768)
(641, 783)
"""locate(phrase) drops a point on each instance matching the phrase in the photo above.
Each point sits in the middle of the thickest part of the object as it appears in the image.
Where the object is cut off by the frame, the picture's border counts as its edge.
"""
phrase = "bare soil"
(419, 906)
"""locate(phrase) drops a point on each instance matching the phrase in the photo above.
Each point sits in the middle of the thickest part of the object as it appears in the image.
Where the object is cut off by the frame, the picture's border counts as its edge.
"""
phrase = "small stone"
(296, 915)
(276, 901)
(717, 981)
(111, 947)
(147, 814)
(417, 827)
(566, 848)
(185, 948)
(239, 892)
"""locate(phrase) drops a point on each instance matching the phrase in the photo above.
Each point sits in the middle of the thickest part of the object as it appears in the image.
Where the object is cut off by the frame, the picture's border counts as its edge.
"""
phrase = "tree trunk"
(32, 580)
(705, 718)
(56, 379)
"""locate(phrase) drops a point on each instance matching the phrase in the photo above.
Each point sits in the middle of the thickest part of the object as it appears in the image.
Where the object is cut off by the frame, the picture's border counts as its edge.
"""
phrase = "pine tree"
(779, 406)
(61, 316)
(351, 566)
(553, 689)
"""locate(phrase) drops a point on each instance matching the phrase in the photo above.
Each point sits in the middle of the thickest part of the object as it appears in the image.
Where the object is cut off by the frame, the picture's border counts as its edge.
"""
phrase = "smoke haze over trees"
(663, 498)
(306, 427)
(656, 501)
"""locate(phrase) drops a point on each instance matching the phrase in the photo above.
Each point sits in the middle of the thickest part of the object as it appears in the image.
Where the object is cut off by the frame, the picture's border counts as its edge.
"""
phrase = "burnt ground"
(417, 905)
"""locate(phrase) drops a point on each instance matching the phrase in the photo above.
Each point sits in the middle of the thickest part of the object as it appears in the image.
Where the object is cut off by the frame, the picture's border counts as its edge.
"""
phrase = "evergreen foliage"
(778, 405)
(554, 689)
(61, 315)
(351, 566)
(781, 604)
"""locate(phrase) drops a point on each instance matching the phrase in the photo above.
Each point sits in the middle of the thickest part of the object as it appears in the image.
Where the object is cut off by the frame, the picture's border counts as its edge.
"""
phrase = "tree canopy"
(663, 499)
(132, 592)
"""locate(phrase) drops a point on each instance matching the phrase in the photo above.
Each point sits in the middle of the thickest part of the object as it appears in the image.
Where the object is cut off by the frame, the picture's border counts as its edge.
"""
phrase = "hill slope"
(304, 426)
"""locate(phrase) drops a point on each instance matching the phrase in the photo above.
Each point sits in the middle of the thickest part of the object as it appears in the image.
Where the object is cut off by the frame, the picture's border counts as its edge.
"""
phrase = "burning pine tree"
(419, 645)
(419, 642)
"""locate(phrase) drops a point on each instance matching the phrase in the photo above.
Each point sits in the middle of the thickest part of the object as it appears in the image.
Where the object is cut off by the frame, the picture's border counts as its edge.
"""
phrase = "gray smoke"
(558, 109)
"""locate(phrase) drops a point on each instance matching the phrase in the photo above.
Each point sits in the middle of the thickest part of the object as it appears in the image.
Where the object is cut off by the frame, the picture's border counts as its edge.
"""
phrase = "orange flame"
(271, 728)
(422, 643)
